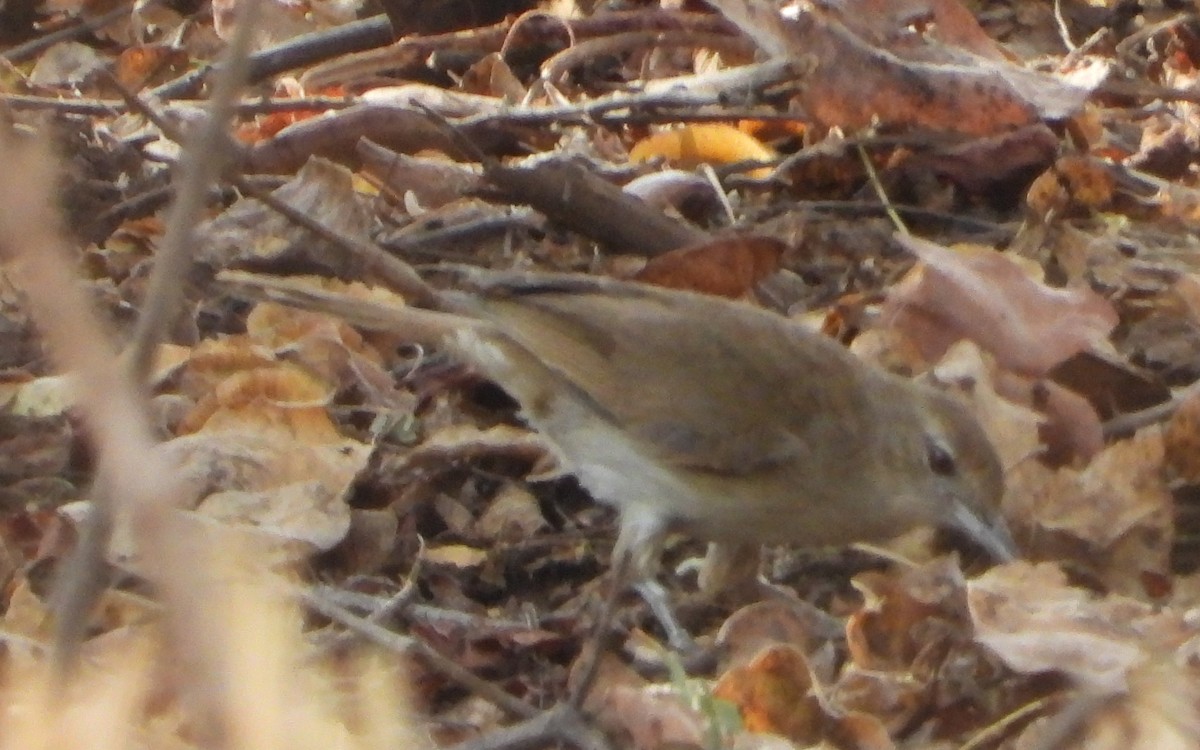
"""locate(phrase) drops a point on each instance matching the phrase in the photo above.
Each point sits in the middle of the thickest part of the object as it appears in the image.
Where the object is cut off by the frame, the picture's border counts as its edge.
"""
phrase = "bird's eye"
(941, 462)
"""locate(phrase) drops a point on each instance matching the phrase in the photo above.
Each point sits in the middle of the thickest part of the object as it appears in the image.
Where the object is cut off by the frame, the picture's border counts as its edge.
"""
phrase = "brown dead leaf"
(1022, 416)
(1012, 428)
(980, 165)
(863, 74)
(248, 233)
(1186, 290)
(982, 295)
(454, 514)
(1115, 515)
(948, 22)
(368, 543)
(277, 326)
(1158, 712)
(1030, 617)
(513, 514)
(290, 491)
(774, 694)
(33, 448)
(137, 67)
(329, 349)
(300, 516)
(891, 698)
(651, 717)
(891, 629)
(1074, 186)
(492, 76)
(1070, 431)
(67, 64)
(279, 21)
(1110, 383)
(29, 614)
(211, 362)
(729, 267)
(750, 629)
(861, 731)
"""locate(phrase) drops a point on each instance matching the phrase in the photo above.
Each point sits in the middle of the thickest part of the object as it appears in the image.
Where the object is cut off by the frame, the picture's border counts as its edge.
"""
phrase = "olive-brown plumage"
(725, 419)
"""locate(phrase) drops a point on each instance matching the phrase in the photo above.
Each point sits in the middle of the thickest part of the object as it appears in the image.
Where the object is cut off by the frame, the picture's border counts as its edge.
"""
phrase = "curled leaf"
(712, 143)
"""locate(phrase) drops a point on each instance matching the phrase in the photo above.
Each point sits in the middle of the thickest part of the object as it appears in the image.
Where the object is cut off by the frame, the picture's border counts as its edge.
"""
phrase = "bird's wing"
(734, 397)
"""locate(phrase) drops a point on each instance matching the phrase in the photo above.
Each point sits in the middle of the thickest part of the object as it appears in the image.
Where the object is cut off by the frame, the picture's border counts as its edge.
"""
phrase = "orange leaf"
(138, 66)
(280, 397)
(773, 693)
(712, 143)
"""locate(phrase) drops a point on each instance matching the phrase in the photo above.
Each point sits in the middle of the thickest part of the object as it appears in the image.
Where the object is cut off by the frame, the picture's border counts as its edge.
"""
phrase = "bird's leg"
(655, 596)
(725, 567)
(635, 558)
(728, 567)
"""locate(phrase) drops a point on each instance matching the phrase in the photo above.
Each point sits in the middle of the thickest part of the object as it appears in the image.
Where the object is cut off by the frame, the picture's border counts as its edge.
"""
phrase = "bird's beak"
(992, 534)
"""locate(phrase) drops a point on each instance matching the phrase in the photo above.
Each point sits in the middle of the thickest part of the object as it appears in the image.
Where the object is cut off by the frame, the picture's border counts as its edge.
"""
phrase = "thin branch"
(108, 107)
(387, 268)
(111, 406)
(873, 177)
(403, 644)
(79, 588)
(85, 26)
(298, 52)
(561, 723)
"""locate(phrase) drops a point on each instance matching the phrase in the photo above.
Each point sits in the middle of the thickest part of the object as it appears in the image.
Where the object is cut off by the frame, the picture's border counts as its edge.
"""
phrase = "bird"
(723, 419)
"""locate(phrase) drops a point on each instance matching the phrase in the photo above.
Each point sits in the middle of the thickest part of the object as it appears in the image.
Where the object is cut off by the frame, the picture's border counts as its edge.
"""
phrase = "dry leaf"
(984, 296)
(775, 622)
(1012, 428)
(1159, 712)
(289, 490)
(729, 267)
(282, 398)
(1075, 185)
(774, 694)
(513, 514)
(888, 633)
(652, 718)
(1033, 620)
(1117, 511)
(712, 143)
(861, 74)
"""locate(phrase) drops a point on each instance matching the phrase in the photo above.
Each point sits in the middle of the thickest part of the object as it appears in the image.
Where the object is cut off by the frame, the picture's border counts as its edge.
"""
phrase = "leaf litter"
(1002, 207)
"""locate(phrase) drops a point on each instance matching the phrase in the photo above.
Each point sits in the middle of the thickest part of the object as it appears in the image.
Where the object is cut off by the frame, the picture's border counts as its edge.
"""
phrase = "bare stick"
(204, 158)
(405, 644)
(79, 586)
(109, 402)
